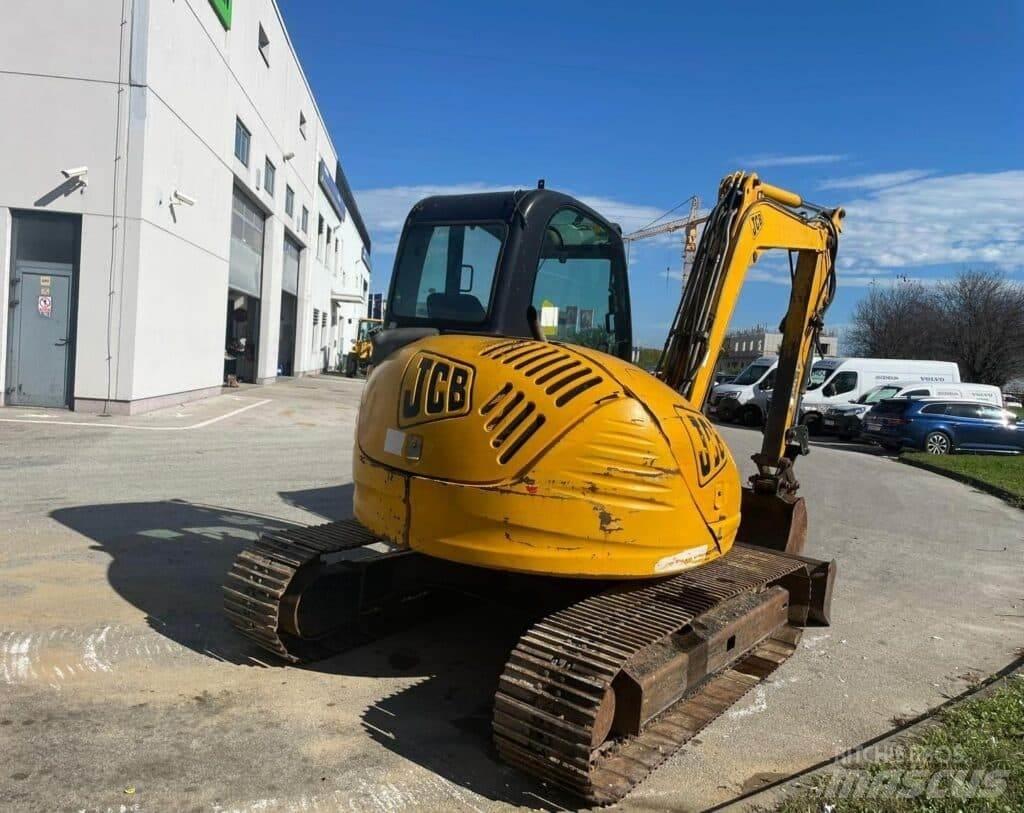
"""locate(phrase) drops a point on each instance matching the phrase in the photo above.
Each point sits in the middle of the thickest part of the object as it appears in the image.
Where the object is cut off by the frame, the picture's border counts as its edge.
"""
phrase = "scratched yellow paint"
(623, 480)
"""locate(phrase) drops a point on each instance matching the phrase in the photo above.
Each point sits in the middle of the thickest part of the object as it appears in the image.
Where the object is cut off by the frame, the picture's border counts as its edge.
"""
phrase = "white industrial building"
(172, 209)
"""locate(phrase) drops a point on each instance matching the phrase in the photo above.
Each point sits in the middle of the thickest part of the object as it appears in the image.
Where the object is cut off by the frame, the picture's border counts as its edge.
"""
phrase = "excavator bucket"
(774, 521)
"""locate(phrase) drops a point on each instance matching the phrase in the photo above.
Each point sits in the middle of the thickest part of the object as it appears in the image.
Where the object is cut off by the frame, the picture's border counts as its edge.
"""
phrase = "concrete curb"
(981, 485)
(769, 797)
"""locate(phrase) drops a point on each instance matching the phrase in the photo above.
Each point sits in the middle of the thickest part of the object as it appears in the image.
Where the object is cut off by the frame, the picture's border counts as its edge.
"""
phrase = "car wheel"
(750, 416)
(726, 410)
(938, 443)
(813, 424)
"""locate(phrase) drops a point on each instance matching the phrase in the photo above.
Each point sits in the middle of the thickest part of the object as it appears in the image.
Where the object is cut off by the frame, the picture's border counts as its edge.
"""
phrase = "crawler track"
(552, 695)
(266, 582)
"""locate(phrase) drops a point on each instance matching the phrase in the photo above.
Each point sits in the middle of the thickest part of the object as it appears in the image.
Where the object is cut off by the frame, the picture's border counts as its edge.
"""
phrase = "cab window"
(841, 383)
(817, 377)
(446, 272)
(751, 374)
(579, 291)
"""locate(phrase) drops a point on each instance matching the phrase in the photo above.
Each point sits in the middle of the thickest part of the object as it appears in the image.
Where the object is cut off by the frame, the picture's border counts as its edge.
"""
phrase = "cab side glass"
(842, 383)
(578, 289)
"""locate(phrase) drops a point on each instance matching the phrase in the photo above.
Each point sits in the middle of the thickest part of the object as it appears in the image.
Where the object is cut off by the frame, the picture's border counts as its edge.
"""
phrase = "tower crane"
(688, 225)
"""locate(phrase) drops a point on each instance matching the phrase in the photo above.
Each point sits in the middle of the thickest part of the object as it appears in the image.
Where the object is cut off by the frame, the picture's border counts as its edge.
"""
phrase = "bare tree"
(982, 316)
(897, 322)
(975, 319)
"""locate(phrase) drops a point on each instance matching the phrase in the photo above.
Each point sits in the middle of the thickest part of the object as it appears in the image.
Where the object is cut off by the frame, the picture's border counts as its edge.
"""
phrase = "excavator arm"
(752, 217)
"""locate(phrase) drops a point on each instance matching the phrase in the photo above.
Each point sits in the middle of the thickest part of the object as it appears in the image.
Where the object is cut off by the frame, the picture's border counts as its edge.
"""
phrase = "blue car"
(942, 427)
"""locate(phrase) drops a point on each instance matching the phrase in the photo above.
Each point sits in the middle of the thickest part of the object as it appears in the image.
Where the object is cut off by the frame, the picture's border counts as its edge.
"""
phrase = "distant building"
(743, 346)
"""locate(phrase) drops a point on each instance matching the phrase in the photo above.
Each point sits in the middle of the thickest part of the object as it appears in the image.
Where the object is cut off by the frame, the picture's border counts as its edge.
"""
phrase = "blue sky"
(909, 114)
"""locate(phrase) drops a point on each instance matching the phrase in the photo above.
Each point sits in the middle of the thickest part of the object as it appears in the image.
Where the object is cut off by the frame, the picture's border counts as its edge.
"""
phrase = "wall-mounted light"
(182, 198)
(288, 156)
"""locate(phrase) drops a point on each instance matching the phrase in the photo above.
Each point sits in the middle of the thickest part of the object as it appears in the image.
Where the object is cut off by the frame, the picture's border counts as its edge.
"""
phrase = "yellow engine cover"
(542, 458)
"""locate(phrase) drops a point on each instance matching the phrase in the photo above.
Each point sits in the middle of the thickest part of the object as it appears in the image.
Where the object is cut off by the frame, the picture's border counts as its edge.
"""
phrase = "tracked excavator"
(506, 446)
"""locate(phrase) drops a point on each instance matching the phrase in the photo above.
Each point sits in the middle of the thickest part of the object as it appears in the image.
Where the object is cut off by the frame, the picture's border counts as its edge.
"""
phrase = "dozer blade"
(774, 521)
(597, 695)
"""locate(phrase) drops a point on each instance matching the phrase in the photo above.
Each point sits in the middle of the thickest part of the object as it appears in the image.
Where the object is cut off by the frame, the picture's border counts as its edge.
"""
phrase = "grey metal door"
(41, 334)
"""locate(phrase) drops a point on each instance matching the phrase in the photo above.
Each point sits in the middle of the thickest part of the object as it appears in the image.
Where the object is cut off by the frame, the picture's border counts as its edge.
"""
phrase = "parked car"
(757, 376)
(1011, 401)
(942, 427)
(846, 420)
(837, 381)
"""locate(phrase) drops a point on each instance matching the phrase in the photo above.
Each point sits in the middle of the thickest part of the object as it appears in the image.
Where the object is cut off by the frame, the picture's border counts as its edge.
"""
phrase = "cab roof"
(481, 207)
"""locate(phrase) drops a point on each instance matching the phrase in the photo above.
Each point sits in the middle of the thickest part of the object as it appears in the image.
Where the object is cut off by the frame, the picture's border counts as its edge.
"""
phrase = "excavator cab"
(533, 264)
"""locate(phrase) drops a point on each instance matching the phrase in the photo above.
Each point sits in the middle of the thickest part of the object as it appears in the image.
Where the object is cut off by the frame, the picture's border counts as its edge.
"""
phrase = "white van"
(756, 378)
(845, 419)
(842, 380)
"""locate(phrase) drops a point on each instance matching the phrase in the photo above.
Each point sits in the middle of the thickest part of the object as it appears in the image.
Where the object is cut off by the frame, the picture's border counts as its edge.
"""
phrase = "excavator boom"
(752, 217)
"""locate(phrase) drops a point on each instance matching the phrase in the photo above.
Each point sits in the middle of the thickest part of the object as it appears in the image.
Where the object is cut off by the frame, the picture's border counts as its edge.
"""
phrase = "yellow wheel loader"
(506, 446)
(357, 361)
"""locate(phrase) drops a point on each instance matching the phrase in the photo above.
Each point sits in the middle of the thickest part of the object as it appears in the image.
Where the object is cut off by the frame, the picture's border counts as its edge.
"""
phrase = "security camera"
(181, 197)
(75, 172)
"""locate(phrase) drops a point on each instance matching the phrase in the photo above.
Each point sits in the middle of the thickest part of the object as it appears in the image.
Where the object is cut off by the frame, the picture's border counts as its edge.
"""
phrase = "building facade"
(173, 212)
(741, 347)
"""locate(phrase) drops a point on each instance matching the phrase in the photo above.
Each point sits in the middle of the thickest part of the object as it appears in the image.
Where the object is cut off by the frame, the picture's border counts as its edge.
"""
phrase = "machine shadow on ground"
(443, 722)
(169, 559)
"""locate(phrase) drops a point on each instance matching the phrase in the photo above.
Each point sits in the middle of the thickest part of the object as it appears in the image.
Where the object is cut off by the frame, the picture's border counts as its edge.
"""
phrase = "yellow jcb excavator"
(505, 441)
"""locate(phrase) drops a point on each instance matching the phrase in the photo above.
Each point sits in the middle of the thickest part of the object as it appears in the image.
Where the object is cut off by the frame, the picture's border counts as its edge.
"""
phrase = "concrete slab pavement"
(117, 671)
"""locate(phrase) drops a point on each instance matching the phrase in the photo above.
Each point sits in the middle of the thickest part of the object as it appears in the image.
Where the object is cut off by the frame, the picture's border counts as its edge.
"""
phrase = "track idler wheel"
(774, 521)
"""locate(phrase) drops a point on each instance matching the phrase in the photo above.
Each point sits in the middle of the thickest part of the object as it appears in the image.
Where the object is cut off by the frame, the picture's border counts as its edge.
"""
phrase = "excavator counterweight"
(505, 446)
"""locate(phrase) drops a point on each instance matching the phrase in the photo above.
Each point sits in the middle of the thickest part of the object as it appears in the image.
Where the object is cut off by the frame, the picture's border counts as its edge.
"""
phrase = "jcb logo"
(708, 448)
(434, 387)
(756, 222)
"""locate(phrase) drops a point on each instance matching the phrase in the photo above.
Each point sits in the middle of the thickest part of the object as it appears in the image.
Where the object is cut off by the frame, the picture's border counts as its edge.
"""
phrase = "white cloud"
(757, 161)
(879, 180)
(941, 220)
(891, 230)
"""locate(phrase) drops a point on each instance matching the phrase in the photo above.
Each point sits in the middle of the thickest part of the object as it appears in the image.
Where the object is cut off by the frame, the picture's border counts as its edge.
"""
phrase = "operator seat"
(457, 307)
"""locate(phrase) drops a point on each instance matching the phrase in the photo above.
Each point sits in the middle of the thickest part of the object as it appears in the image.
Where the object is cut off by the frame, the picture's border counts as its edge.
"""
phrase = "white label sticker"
(394, 441)
(678, 560)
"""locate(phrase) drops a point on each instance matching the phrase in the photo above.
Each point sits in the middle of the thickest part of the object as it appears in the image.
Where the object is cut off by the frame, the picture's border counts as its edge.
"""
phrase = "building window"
(319, 237)
(289, 201)
(242, 139)
(305, 220)
(269, 176)
(302, 124)
(264, 42)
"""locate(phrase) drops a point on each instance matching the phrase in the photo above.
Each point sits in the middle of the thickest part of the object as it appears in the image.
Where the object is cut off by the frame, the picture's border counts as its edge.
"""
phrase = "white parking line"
(199, 425)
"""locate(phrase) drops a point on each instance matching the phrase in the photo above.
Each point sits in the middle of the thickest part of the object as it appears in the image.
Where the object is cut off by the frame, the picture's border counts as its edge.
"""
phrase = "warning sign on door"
(45, 306)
